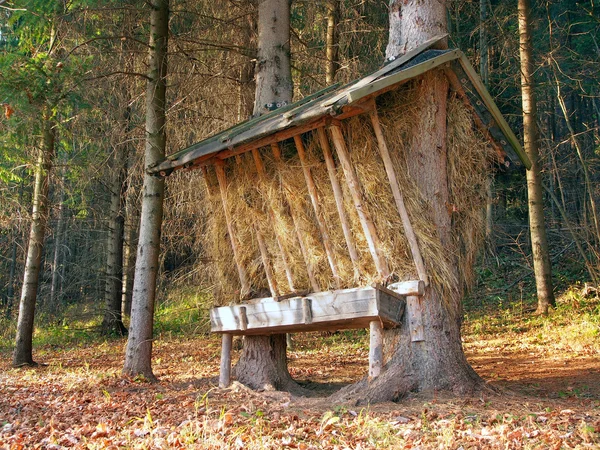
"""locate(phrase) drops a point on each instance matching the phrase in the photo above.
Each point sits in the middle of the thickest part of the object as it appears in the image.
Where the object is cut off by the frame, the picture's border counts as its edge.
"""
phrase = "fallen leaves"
(81, 401)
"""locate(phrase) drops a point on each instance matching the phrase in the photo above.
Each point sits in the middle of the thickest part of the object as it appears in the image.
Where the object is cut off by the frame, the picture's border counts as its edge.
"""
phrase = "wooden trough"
(374, 307)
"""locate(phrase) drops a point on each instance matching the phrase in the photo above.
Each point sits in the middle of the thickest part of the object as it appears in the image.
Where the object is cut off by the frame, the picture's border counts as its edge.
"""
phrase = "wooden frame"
(339, 200)
(222, 179)
(314, 199)
(398, 197)
(359, 201)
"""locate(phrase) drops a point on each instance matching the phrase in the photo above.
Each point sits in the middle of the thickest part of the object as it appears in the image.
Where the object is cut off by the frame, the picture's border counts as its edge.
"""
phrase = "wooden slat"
(387, 68)
(411, 72)
(493, 108)
(398, 198)
(414, 310)
(339, 201)
(306, 310)
(309, 267)
(411, 287)
(221, 177)
(314, 198)
(345, 308)
(266, 260)
(375, 349)
(359, 202)
(260, 168)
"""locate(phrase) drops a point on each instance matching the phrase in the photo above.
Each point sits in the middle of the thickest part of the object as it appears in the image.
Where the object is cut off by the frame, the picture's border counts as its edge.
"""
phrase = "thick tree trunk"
(437, 363)
(537, 225)
(263, 362)
(138, 355)
(113, 321)
(23, 354)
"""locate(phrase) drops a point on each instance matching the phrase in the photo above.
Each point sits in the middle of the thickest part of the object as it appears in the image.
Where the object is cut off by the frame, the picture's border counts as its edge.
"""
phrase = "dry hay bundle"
(278, 206)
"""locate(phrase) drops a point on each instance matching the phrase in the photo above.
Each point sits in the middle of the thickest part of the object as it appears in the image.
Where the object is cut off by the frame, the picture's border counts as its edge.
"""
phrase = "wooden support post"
(221, 177)
(264, 255)
(243, 317)
(339, 201)
(391, 174)
(314, 198)
(260, 168)
(414, 310)
(309, 267)
(375, 349)
(225, 373)
(359, 202)
(306, 310)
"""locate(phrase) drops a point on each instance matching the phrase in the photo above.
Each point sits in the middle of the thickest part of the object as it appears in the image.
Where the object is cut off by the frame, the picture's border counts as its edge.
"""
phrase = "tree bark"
(437, 363)
(331, 44)
(113, 319)
(58, 235)
(537, 225)
(138, 354)
(23, 354)
(263, 362)
(273, 69)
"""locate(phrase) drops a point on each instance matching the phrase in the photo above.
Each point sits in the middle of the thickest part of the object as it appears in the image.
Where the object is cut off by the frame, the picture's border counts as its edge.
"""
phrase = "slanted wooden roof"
(337, 102)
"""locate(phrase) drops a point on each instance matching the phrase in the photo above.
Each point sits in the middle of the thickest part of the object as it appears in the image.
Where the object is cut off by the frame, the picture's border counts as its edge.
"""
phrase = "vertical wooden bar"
(375, 348)
(359, 203)
(391, 174)
(243, 317)
(414, 311)
(264, 254)
(339, 200)
(221, 177)
(309, 267)
(260, 168)
(307, 310)
(225, 373)
(314, 198)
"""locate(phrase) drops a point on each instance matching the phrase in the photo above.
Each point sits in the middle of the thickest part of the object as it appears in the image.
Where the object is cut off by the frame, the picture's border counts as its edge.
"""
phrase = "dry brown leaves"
(80, 400)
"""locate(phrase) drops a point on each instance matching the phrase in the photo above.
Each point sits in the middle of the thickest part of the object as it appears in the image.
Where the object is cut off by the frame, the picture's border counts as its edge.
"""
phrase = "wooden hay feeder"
(327, 305)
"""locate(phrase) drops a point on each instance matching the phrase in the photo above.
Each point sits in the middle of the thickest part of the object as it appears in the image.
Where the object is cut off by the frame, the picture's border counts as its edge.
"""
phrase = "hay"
(279, 203)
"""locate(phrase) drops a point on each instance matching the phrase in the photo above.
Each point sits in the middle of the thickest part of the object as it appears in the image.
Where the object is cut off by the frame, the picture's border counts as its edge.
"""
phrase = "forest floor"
(546, 372)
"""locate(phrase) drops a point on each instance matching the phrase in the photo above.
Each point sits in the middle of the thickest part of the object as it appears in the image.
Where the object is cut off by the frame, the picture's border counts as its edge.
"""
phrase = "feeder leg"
(375, 349)
(225, 375)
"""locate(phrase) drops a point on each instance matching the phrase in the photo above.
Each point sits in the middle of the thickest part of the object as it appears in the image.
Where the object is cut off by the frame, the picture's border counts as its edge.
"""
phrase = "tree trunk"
(537, 225)
(10, 290)
(438, 362)
(113, 319)
(273, 70)
(331, 45)
(484, 65)
(129, 246)
(138, 355)
(263, 362)
(58, 235)
(23, 354)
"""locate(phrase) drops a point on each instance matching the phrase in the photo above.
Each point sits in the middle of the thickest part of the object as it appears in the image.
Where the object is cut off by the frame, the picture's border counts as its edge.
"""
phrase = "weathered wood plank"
(359, 202)
(221, 177)
(375, 349)
(339, 200)
(414, 310)
(306, 310)
(314, 199)
(225, 372)
(345, 308)
(409, 232)
(411, 287)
